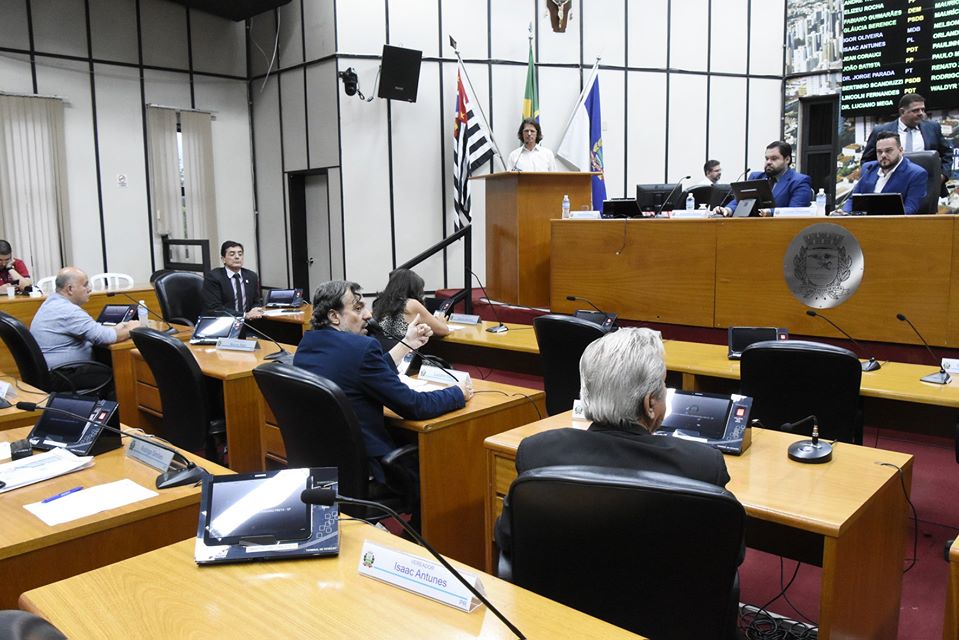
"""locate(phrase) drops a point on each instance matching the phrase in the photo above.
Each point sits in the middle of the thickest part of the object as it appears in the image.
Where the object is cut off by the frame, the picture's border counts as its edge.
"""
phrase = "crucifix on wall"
(559, 11)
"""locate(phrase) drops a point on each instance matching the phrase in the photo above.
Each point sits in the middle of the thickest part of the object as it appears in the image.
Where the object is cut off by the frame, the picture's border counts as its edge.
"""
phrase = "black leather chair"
(702, 194)
(20, 625)
(191, 417)
(653, 553)
(791, 379)
(180, 294)
(32, 366)
(562, 340)
(932, 163)
(320, 429)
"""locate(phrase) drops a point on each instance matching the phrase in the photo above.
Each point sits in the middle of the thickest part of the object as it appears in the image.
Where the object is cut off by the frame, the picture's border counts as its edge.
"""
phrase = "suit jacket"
(909, 179)
(368, 377)
(218, 291)
(606, 446)
(793, 189)
(932, 138)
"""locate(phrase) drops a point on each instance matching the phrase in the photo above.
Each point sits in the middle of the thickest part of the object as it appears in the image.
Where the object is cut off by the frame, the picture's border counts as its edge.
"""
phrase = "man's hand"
(417, 333)
(13, 276)
(254, 313)
(723, 211)
(466, 386)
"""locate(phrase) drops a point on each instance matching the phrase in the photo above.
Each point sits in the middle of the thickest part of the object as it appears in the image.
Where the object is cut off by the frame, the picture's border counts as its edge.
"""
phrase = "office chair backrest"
(180, 294)
(932, 163)
(654, 553)
(318, 424)
(182, 387)
(31, 364)
(791, 379)
(562, 340)
(20, 625)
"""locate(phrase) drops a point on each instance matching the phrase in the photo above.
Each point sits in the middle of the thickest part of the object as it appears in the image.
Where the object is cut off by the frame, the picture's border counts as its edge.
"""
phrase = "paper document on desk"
(90, 501)
(4, 450)
(53, 463)
(420, 385)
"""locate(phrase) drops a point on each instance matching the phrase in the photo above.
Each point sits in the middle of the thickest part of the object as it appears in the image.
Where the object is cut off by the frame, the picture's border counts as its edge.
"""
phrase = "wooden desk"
(452, 467)
(13, 418)
(33, 554)
(23, 308)
(164, 594)
(950, 630)
(848, 516)
(243, 403)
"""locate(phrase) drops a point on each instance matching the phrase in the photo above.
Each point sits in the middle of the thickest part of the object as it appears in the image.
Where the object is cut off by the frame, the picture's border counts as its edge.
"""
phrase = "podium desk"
(848, 516)
(164, 594)
(33, 554)
(452, 467)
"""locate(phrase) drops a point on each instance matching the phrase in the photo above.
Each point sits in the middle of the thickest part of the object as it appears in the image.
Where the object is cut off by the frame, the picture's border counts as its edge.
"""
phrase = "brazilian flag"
(531, 98)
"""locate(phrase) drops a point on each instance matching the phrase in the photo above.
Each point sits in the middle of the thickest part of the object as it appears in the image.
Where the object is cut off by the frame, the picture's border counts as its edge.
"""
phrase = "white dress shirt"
(539, 159)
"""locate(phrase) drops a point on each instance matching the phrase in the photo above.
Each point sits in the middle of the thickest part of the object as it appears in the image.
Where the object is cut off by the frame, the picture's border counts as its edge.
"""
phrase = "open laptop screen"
(209, 328)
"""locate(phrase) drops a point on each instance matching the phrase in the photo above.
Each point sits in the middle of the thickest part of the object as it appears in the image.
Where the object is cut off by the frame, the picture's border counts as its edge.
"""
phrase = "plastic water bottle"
(821, 203)
(142, 312)
(565, 206)
(690, 202)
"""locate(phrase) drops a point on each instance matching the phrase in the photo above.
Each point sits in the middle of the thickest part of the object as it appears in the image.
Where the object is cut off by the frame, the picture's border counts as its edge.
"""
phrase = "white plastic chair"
(46, 285)
(111, 282)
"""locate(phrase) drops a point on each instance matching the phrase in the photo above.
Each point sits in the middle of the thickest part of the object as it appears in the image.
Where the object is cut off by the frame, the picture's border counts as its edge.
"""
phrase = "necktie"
(909, 139)
(238, 292)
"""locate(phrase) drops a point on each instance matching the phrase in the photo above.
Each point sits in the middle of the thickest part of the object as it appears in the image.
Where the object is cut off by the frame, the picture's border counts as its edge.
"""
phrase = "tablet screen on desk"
(697, 414)
(258, 506)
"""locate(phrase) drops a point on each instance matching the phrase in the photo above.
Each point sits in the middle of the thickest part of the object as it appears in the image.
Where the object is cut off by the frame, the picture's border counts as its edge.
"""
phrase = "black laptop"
(878, 204)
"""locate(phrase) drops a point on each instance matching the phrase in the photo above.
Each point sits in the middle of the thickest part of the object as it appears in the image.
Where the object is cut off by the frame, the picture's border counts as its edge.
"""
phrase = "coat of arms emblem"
(823, 265)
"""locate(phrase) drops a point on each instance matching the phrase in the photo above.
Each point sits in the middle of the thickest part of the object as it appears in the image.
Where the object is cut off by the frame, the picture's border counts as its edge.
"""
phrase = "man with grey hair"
(339, 349)
(66, 333)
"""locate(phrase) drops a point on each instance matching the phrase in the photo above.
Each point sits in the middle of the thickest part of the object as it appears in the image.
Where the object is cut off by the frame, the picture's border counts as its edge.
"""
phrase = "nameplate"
(150, 454)
(235, 344)
(418, 575)
(690, 214)
(951, 364)
(579, 410)
(465, 318)
(442, 376)
(796, 212)
(585, 215)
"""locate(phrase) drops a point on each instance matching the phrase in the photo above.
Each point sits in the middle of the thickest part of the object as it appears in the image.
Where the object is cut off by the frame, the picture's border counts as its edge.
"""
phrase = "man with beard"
(892, 173)
(790, 188)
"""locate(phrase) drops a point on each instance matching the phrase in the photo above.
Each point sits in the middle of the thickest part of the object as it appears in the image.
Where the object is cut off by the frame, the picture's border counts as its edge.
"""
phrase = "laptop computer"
(209, 329)
(751, 196)
(114, 314)
(284, 298)
(878, 204)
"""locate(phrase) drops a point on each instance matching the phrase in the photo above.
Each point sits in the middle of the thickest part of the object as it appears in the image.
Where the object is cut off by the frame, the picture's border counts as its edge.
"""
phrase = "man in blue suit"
(892, 173)
(339, 349)
(790, 188)
(916, 134)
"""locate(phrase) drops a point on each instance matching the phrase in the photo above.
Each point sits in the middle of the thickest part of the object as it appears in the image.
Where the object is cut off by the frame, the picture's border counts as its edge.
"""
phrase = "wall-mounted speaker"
(400, 73)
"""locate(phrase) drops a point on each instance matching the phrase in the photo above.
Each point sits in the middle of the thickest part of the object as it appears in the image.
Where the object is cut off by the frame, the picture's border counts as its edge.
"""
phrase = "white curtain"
(197, 139)
(33, 182)
(164, 172)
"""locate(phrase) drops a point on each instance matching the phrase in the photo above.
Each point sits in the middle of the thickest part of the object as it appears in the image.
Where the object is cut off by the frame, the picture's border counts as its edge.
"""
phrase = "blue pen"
(60, 495)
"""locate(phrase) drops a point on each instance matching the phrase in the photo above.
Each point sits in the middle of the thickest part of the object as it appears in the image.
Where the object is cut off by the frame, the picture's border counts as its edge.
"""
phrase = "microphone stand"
(189, 473)
(500, 328)
(871, 365)
(942, 376)
(281, 355)
(170, 330)
(308, 497)
(811, 451)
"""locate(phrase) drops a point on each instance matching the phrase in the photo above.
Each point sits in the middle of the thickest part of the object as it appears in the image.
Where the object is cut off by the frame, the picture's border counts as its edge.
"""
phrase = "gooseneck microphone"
(587, 301)
(871, 365)
(663, 204)
(500, 327)
(280, 355)
(729, 196)
(188, 473)
(328, 497)
(812, 451)
(942, 377)
(170, 329)
(372, 326)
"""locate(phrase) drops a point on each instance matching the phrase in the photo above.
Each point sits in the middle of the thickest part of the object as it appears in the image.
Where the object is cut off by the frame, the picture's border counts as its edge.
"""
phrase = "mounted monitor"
(659, 197)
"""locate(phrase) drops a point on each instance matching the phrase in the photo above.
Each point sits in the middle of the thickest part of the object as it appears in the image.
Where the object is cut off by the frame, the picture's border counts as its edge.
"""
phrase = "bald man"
(66, 333)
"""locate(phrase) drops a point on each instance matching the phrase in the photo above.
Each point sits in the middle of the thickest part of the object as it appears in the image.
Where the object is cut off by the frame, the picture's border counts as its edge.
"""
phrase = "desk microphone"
(170, 329)
(942, 377)
(610, 318)
(281, 355)
(871, 365)
(729, 196)
(499, 328)
(328, 497)
(374, 327)
(188, 473)
(812, 451)
(663, 204)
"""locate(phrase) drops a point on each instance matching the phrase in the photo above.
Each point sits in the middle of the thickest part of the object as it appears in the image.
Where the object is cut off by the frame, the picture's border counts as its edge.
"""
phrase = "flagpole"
(582, 97)
(479, 107)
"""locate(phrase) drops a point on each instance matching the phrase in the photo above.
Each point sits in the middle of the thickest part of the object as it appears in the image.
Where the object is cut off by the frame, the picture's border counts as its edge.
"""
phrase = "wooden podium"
(519, 206)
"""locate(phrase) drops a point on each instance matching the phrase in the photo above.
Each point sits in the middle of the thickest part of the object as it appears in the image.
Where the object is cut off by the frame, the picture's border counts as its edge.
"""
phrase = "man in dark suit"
(231, 288)
(339, 349)
(892, 173)
(624, 392)
(916, 134)
(790, 188)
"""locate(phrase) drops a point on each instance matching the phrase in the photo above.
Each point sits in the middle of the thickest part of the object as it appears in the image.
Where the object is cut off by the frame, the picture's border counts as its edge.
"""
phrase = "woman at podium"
(530, 156)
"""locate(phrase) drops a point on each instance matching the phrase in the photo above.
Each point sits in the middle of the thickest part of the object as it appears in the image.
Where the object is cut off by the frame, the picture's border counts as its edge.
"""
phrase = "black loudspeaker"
(400, 73)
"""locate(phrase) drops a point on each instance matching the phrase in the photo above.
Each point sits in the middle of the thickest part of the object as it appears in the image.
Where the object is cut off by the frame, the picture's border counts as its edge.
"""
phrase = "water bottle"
(821, 203)
(565, 206)
(690, 202)
(142, 312)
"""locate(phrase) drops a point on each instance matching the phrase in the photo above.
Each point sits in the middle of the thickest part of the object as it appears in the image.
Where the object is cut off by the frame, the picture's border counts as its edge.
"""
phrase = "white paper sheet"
(90, 501)
(44, 466)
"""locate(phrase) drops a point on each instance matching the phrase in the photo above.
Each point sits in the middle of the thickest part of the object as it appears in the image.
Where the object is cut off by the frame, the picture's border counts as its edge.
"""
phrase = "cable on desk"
(16, 383)
(915, 516)
(513, 395)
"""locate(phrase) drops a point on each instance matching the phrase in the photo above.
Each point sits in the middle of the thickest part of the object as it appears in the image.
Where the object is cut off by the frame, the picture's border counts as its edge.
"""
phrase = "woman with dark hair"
(401, 301)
